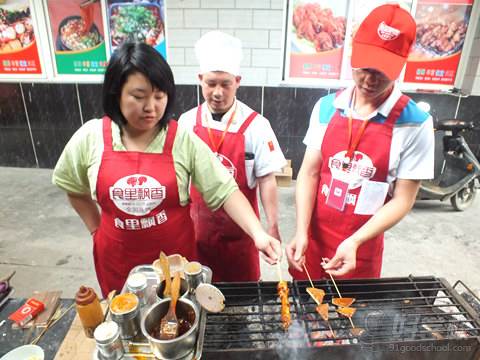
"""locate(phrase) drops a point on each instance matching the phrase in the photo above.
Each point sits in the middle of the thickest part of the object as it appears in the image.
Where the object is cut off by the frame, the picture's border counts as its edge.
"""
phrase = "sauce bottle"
(88, 309)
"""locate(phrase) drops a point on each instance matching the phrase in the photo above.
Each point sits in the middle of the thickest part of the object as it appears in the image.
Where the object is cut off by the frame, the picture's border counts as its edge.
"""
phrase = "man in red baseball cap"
(368, 148)
(383, 40)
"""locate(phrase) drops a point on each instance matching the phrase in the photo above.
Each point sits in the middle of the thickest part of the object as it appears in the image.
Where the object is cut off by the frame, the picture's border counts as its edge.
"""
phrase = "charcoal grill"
(402, 318)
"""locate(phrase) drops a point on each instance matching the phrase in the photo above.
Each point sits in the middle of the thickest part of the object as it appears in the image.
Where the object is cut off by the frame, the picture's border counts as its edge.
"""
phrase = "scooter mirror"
(424, 106)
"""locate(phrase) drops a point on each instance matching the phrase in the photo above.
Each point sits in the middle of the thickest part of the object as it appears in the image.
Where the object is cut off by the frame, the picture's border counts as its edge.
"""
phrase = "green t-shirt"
(77, 168)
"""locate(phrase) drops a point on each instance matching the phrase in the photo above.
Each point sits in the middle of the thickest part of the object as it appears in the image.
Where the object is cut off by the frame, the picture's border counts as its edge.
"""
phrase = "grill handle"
(470, 291)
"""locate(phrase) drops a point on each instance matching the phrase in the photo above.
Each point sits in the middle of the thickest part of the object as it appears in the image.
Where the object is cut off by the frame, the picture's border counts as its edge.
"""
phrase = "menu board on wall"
(19, 54)
(77, 36)
(359, 9)
(441, 29)
(318, 41)
(315, 38)
(137, 21)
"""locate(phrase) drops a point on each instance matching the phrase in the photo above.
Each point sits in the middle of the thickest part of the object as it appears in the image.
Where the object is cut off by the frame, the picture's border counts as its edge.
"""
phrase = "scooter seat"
(454, 125)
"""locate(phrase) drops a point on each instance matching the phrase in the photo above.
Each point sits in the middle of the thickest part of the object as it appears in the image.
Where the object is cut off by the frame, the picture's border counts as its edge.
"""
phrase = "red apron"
(141, 211)
(328, 226)
(221, 244)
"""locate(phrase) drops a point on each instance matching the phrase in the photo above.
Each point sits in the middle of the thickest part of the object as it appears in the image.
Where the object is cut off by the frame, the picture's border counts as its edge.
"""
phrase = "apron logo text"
(137, 194)
(142, 223)
(359, 169)
(228, 165)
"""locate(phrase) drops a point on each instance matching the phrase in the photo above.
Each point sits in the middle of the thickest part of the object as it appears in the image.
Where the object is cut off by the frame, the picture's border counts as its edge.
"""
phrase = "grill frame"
(426, 289)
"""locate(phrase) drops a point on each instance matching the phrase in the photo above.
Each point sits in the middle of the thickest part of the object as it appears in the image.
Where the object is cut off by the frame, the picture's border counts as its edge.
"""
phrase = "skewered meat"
(343, 302)
(282, 289)
(440, 31)
(316, 294)
(319, 26)
(322, 309)
(346, 311)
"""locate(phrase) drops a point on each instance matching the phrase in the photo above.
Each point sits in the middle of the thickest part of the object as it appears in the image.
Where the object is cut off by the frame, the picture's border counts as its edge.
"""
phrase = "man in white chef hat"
(245, 143)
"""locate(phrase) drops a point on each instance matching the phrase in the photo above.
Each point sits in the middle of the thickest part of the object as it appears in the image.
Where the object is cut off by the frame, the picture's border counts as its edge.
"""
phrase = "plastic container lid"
(137, 281)
(105, 332)
(210, 298)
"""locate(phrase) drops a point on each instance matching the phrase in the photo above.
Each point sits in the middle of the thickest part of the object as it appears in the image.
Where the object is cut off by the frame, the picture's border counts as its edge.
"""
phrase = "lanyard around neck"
(217, 145)
(352, 145)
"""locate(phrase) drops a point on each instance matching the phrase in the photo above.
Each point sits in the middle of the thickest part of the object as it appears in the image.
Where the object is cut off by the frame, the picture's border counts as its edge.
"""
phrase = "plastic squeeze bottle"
(88, 309)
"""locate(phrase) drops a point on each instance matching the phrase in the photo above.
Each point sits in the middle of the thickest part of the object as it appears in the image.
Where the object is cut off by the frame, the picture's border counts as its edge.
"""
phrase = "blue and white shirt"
(413, 142)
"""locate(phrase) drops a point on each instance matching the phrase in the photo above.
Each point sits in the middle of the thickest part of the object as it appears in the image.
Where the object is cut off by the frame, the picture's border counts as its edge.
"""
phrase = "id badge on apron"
(337, 195)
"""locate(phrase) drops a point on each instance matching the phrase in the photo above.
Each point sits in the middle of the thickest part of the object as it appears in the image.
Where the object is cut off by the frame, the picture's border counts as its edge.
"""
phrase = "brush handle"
(8, 277)
(166, 272)
(175, 290)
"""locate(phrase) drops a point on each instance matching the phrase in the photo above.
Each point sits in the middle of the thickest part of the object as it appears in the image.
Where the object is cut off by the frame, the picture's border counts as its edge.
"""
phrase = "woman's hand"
(269, 247)
(345, 259)
(296, 250)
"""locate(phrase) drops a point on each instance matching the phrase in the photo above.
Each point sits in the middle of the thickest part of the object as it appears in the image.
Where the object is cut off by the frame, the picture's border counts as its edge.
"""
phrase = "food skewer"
(338, 292)
(317, 301)
(309, 278)
(282, 290)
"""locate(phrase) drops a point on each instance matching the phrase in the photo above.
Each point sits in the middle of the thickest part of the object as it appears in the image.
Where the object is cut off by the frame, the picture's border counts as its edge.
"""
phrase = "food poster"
(315, 38)
(18, 46)
(441, 30)
(76, 30)
(359, 9)
(140, 21)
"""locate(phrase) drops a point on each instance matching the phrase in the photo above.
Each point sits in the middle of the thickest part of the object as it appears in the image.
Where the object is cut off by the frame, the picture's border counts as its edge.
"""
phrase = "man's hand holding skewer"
(344, 260)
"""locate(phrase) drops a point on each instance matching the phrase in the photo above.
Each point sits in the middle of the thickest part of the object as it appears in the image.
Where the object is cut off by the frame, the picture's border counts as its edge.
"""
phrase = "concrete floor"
(45, 242)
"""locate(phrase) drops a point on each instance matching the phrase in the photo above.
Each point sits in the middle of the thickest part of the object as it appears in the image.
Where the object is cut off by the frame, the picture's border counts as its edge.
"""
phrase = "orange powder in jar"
(124, 303)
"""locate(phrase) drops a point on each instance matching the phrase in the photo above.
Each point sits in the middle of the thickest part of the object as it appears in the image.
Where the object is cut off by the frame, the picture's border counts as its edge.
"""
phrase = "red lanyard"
(214, 144)
(352, 145)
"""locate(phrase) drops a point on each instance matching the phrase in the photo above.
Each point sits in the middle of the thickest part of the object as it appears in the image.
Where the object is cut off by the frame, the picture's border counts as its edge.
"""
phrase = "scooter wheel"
(463, 199)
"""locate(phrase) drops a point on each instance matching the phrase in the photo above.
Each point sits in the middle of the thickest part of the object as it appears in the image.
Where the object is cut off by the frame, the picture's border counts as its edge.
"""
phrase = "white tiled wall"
(258, 23)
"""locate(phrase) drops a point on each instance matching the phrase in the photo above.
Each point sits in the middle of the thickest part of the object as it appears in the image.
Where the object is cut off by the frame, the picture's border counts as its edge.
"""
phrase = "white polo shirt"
(413, 143)
(260, 139)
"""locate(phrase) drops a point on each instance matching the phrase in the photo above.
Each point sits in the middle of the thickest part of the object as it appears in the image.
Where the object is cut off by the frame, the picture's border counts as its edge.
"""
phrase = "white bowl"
(25, 352)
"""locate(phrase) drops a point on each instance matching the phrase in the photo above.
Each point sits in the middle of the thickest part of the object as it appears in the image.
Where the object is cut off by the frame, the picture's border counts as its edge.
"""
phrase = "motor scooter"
(457, 170)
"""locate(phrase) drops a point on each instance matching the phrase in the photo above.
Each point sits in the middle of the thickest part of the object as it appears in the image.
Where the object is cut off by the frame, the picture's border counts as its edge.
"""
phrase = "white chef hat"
(217, 51)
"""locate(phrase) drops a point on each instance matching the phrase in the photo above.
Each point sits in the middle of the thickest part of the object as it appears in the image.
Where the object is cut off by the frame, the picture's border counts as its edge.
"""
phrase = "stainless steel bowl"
(180, 346)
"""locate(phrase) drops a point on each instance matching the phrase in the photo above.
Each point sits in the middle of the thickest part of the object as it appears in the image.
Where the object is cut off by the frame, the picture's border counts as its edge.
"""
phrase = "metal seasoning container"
(137, 284)
(125, 311)
(108, 342)
(193, 275)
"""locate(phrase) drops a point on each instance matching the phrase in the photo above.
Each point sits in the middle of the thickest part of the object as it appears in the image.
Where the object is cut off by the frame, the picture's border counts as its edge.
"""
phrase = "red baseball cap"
(383, 40)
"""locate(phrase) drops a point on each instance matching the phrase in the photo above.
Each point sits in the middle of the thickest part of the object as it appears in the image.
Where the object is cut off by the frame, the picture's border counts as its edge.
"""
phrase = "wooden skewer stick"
(331, 330)
(51, 323)
(309, 278)
(279, 271)
(339, 295)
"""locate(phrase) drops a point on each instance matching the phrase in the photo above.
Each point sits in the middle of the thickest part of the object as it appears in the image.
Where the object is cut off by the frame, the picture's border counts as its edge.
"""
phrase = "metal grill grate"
(395, 314)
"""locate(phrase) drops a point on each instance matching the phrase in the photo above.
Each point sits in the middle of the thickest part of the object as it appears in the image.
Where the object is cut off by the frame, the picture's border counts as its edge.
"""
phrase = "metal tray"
(140, 343)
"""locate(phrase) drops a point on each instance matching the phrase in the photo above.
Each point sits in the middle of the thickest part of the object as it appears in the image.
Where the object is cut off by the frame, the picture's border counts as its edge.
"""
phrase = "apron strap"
(171, 132)
(397, 110)
(199, 115)
(247, 122)
(107, 133)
